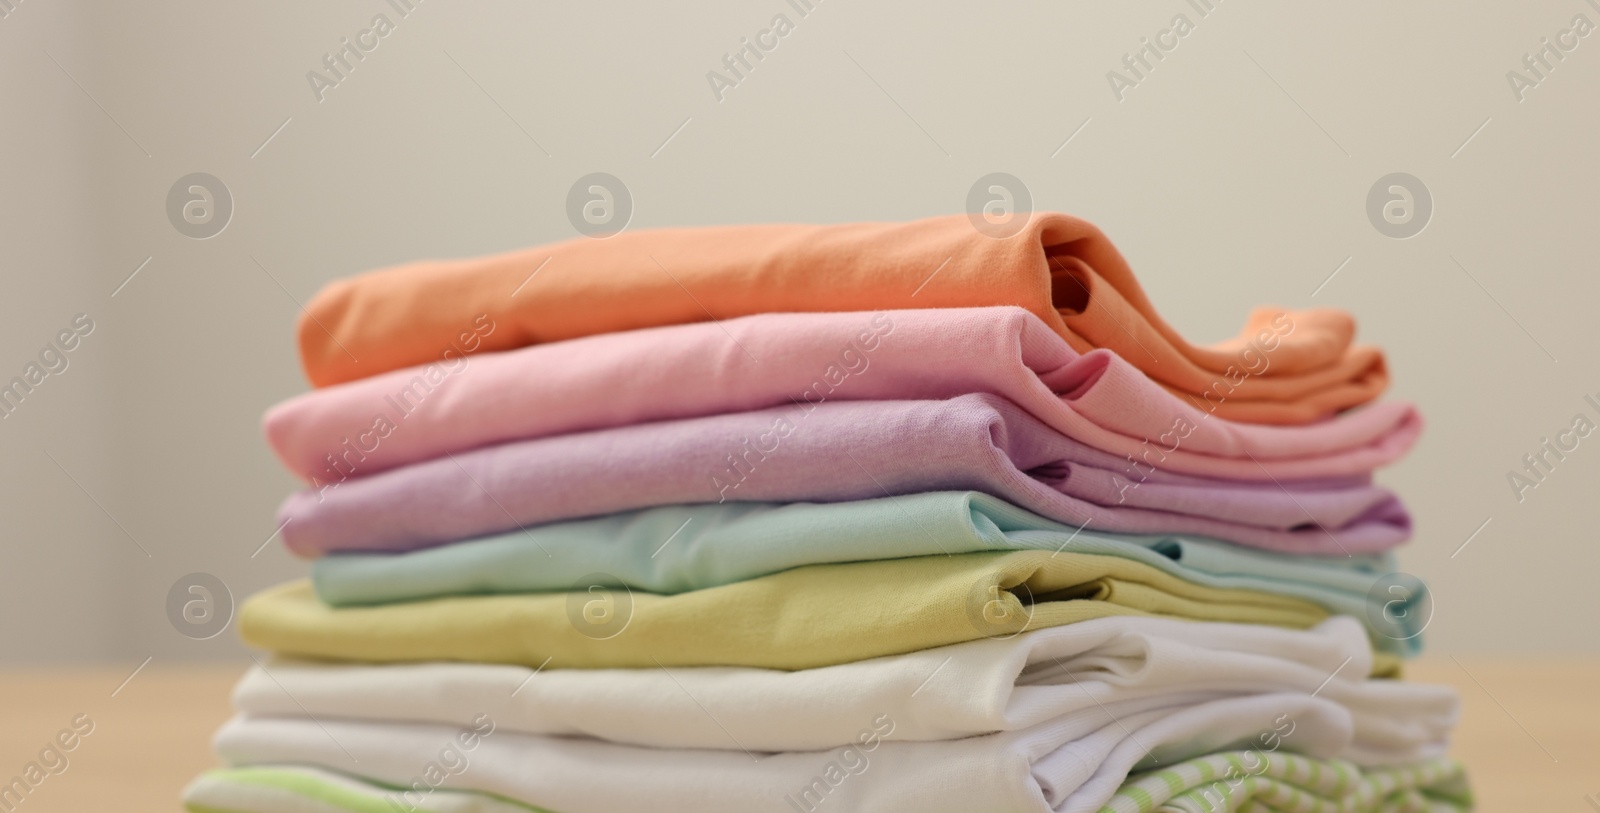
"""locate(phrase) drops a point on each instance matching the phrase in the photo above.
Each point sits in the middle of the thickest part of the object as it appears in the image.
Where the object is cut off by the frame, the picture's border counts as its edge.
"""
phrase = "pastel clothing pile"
(866, 517)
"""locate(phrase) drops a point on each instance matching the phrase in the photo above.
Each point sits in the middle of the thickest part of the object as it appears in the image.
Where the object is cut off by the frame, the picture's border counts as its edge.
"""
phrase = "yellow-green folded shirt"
(798, 619)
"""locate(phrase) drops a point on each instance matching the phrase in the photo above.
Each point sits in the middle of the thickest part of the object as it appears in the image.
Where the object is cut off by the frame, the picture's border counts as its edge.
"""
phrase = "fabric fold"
(802, 618)
(1117, 666)
(1281, 783)
(1071, 765)
(758, 362)
(831, 452)
(1060, 268)
(291, 788)
(1288, 783)
(680, 548)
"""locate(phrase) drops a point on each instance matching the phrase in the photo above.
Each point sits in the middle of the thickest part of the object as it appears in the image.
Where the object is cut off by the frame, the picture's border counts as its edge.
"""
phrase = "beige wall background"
(1233, 174)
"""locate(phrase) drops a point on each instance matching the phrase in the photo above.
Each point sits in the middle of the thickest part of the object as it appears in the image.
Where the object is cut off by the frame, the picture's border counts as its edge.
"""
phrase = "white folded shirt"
(1071, 764)
(1076, 678)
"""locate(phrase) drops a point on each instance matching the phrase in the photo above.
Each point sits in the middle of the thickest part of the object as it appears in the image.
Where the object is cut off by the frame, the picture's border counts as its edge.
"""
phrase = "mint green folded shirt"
(679, 548)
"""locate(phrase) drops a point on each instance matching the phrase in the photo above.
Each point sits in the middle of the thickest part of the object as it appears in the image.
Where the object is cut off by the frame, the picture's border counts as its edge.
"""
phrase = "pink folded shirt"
(831, 452)
(466, 400)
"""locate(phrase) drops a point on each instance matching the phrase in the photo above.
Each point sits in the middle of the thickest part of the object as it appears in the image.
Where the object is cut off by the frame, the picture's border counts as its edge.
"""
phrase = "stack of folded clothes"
(867, 517)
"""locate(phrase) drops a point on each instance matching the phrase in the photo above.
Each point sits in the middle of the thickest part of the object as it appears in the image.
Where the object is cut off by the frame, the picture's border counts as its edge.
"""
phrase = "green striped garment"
(1256, 782)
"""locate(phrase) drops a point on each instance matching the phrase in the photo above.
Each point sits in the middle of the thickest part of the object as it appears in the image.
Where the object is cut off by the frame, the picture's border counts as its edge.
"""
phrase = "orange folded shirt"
(1285, 367)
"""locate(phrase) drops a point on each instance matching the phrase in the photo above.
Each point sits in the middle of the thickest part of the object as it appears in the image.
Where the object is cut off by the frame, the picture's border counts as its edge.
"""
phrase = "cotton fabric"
(1281, 783)
(802, 618)
(676, 549)
(1287, 783)
(767, 360)
(298, 789)
(1118, 666)
(834, 452)
(1060, 268)
(1070, 765)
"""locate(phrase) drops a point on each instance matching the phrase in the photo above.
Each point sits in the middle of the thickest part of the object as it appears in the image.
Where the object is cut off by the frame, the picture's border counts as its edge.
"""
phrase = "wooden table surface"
(1530, 732)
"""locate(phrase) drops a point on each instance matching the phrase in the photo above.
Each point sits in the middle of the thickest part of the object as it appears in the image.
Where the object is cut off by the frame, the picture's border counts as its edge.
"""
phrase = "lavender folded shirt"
(835, 451)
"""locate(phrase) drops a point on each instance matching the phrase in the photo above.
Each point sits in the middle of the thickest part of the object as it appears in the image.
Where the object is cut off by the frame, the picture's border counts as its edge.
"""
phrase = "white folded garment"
(1075, 674)
(1072, 764)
